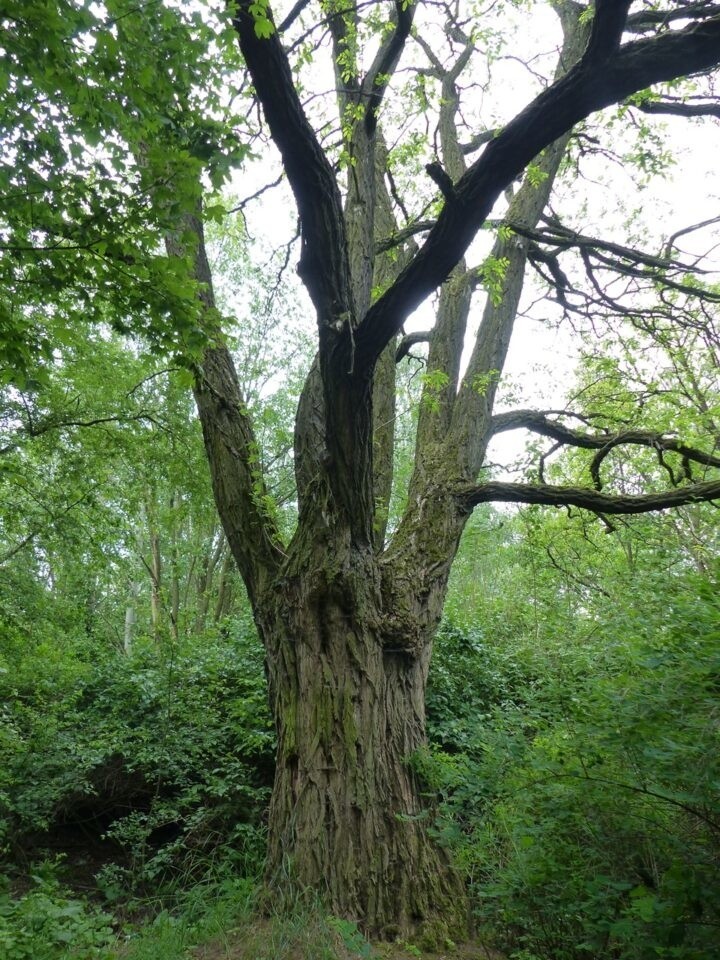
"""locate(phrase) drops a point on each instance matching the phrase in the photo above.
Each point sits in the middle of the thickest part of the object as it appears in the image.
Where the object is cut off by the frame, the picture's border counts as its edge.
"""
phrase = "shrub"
(165, 757)
(48, 923)
(587, 814)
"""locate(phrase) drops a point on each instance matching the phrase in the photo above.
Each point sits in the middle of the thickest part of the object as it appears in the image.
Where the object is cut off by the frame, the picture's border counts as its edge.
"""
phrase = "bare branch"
(563, 238)
(292, 16)
(59, 423)
(378, 76)
(554, 562)
(607, 29)
(691, 229)
(405, 233)
(680, 109)
(583, 90)
(323, 263)
(644, 19)
(586, 498)
(537, 422)
(258, 193)
(409, 341)
(28, 538)
(479, 140)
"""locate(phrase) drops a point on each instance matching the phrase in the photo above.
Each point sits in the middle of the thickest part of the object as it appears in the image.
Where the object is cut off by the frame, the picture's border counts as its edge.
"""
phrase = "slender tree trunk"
(155, 583)
(174, 570)
(224, 600)
(204, 578)
(131, 617)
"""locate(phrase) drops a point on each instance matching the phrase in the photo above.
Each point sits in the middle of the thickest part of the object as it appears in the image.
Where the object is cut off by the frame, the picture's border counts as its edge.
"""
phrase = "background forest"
(572, 764)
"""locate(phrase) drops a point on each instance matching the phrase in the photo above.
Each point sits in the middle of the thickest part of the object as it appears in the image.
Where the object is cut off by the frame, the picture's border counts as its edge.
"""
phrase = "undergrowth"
(574, 775)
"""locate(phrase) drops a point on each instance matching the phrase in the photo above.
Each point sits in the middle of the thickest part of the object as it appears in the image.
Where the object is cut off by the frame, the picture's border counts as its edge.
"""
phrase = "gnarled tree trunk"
(347, 819)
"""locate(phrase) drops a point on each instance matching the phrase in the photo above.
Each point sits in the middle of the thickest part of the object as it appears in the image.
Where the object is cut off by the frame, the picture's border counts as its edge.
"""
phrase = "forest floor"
(262, 943)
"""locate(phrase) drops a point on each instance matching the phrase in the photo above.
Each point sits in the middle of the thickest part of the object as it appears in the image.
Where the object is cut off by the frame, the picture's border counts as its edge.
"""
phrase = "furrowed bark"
(418, 561)
(348, 628)
(468, 436)
(384, 381)
(468, 432)
(346, 818)
(325, 270)
(447, 338)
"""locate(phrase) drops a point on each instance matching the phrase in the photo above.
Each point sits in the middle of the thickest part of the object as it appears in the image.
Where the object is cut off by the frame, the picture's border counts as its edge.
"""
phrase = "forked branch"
(586, 88)
(378, 76)
(324, 263)
(538, 423)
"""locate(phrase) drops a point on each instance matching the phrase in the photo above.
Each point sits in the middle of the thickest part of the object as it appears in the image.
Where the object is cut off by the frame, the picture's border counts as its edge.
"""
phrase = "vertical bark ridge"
(467, 438)
(419, 558)
(448, 335)
(386, 268)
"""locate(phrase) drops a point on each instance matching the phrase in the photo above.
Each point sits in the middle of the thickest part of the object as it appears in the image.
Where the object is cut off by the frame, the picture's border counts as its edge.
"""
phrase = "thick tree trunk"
(347, 820)
(346, 677)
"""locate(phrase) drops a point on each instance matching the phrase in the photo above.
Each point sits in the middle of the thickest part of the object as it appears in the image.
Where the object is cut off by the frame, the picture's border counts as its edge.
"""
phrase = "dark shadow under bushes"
(149, 769)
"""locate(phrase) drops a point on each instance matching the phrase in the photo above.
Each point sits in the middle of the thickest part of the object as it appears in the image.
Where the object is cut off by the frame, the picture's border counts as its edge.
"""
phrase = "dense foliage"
(572, 767)
(581, 793)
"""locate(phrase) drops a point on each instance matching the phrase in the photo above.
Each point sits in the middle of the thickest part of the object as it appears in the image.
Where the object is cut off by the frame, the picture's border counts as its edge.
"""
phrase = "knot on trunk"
(401, 634)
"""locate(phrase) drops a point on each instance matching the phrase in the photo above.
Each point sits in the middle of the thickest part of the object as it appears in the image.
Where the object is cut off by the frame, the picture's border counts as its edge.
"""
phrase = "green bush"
(165, 756)
(48, 923)
(586, 812)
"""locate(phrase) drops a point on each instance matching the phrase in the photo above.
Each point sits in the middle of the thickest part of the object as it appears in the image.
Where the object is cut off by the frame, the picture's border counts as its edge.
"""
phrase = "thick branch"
(644, 19)
(292, 16)
(585, 89)
(323, 261)
(680, 109)
(607, 28)
(562, 238)
(398, 237)
(409, 341)
(230, 443)
(587, 499)
(378, 76)
(479, 140)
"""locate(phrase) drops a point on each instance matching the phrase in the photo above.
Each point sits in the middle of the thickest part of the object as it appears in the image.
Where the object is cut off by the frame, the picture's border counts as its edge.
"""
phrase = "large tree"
(347, 605)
